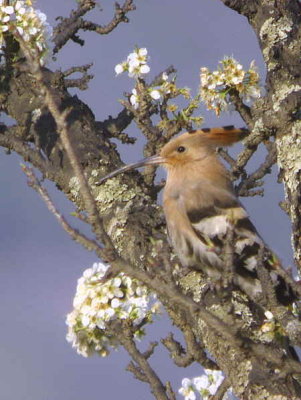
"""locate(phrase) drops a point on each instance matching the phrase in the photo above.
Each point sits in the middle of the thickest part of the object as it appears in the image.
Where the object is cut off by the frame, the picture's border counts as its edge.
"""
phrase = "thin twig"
(226, 156)
(169, 391)
(253, 180)
(68, 27)
(33, 182)
(82, 217)
(82, 82)
(65, 136)
(193, 352)
(242, 108)
(143, 370)
(228, 251)
(222, 389)
(253, 140)
(290, 323)
(119, 16)
(151, 348)
(11, 142)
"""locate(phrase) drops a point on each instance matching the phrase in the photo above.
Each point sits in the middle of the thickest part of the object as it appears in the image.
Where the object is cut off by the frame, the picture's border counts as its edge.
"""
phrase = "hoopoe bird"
(200, 208)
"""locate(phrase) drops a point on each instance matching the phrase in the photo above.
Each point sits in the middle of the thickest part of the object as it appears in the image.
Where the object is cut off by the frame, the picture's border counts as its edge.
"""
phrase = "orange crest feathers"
(224, 136)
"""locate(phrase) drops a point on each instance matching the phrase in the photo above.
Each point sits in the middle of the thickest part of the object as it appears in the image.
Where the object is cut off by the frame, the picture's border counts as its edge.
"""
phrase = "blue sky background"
(40, 265)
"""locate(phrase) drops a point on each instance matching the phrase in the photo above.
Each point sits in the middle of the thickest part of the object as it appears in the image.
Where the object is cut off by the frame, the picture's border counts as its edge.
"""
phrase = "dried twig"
(193, 352)
(242, 108)
(119, 16)
(113, 127)
(226, 156)
(68, 27)
(169, 391)
(228, 251)
(75, 234)
(82, 82)
(11, 142)
(253, 180)
(223, 387)
(64, 134)
(254, 139)
(140, 366)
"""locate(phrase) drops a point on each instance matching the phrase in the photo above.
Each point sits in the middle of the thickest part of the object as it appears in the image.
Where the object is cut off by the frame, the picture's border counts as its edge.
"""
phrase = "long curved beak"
(153, 160)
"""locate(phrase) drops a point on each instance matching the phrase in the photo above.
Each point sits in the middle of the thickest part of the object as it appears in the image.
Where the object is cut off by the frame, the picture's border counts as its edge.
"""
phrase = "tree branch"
(68, 27)
(142, 371)
(253, 180)
(82, 82)
(75, 234)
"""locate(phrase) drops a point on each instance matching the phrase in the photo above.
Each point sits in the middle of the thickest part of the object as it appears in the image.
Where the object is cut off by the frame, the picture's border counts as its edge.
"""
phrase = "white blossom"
(215, 86)
(19, 6)
(204, 385)
(201, 382)
(164, 76)
(136, 69)
(215, 379)
(115, 303)
(135, 64)
(134, 99)
(96, 304)
(144, 69)
(8, 9)
(133, 60)
(187, 389)
(142, 52)
(253, 92)
(269, 315)
(31, 24)
(155, 94)
(119, 69)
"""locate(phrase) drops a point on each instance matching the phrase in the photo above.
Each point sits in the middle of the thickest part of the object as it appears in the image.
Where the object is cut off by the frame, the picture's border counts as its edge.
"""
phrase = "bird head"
(190, 146)
(198, 144)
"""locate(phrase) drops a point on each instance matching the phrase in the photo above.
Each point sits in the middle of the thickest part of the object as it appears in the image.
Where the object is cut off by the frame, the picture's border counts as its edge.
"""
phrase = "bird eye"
(181, 149)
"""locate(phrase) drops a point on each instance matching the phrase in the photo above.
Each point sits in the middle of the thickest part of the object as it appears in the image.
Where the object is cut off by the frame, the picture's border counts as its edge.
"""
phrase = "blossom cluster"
(216, 85)
(135, 64)
(155, 93)
(165, 88)
(96, 304)
(204, 385)
(20, 18)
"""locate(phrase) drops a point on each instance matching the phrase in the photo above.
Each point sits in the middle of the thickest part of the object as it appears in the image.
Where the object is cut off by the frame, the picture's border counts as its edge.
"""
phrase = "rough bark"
(277, 26)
